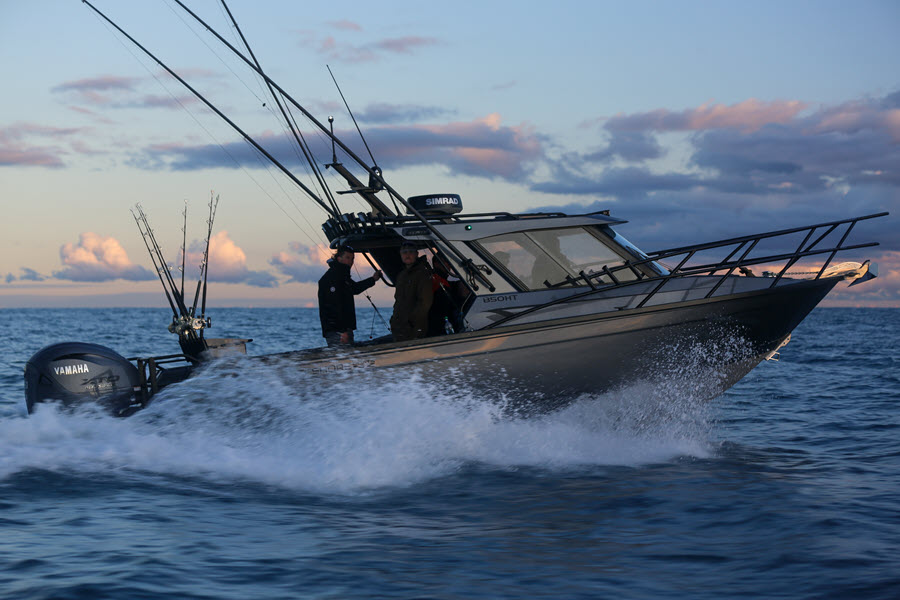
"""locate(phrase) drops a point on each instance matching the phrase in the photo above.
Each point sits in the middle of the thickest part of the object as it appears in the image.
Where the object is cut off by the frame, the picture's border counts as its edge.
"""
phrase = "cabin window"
(554, 256)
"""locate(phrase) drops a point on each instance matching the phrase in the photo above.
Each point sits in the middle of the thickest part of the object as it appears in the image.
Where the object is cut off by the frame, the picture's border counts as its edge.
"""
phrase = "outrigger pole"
(212, 107)
(374, 173)
(298, 136)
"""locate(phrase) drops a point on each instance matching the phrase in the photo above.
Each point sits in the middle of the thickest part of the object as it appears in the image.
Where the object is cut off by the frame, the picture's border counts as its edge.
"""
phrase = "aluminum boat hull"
(707, 344)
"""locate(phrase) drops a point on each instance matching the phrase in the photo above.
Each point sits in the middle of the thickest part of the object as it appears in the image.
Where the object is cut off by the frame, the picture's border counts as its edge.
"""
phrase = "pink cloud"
(228, 262)
(19, 131)
(482, 147)
(121, 92)
(357, 53)
(104, 83)
(346, 25)
(852, 117)
(15, 150)
(302, 263)
(98, 258)
(485, 145)
(747, 116)
(405, 45)
(155, 101)
(28, 158)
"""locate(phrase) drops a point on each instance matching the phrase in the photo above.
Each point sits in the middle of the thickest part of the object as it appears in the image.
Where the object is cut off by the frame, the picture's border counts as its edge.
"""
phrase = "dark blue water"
(254, 485)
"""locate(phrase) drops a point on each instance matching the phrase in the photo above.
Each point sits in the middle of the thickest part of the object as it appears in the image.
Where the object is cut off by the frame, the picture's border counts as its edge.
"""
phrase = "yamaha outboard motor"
(76, 372)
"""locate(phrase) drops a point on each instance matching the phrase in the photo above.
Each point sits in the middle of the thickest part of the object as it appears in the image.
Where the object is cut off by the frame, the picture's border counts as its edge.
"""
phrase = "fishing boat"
(545, 306)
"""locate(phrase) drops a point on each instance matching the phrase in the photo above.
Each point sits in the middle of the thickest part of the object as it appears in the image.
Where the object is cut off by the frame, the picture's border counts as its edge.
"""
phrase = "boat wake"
(252, 422)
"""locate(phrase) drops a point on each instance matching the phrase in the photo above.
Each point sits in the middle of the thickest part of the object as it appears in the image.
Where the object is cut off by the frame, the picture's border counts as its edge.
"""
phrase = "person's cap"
(408, 247)
(345, 248)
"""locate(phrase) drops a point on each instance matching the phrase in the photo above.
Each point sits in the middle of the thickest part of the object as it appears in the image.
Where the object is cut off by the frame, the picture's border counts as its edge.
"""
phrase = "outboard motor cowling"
(77, 372)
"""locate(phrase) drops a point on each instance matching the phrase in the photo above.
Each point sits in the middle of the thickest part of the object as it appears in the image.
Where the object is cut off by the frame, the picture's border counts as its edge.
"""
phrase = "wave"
(270, 424)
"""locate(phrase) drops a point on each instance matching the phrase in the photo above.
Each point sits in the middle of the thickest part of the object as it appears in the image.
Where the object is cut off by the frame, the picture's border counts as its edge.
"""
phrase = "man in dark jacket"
(412, 296)
(337, 311)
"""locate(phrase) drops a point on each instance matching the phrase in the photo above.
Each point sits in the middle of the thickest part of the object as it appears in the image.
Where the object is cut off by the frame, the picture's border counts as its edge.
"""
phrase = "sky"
(693, 121)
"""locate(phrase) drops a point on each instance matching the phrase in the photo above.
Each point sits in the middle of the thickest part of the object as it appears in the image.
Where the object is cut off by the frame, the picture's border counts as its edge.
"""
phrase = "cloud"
(505, 85)
(19, 149)
(373, 51)
(400, 113)
(228, 262)
(483, 148)
(746, 165)
(104, 83)
(97, 91)
(20, 131)
(30, 275)
(346, 25)
(29, 157)
(110, 91)
(98, 258)
(404, 45)
(630, 146)
(301, 263)
(747, 116)
(10, 278)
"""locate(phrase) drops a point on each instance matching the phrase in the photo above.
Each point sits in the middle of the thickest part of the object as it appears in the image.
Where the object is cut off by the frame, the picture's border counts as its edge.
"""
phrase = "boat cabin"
(500, 256)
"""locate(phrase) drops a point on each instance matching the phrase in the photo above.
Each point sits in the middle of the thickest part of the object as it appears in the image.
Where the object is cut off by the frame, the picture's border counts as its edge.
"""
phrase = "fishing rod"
(204, 263)
(155, 266)
(212, 107)
(295, 131)
(212, 217)
(183, 246)
(374, 173)
(163, 266)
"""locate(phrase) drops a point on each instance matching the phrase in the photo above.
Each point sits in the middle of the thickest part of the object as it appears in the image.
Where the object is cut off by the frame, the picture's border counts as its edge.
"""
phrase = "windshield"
(552, 257)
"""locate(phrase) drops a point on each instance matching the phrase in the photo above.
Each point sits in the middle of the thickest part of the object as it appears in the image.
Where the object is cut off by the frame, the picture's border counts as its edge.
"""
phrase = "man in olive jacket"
(412, 296)
(337, 311)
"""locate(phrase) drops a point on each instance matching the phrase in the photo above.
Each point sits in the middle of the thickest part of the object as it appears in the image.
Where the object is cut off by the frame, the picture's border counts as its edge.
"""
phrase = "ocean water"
(246, 483)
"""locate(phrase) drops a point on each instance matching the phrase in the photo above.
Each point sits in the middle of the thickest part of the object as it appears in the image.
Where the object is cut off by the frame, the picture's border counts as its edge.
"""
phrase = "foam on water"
(269, 424)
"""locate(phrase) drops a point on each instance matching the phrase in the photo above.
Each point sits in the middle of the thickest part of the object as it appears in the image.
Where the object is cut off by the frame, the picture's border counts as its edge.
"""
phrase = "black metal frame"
(149, 370)
(746, 243)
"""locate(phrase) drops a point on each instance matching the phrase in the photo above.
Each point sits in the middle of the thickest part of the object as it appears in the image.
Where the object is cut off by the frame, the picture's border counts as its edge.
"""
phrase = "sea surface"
(246, 483)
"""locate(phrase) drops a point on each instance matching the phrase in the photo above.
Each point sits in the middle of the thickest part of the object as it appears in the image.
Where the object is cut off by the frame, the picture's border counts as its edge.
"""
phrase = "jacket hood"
(339, 266)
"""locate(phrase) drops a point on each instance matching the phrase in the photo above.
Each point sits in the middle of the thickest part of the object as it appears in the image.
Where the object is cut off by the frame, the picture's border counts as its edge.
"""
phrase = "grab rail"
(749, 241)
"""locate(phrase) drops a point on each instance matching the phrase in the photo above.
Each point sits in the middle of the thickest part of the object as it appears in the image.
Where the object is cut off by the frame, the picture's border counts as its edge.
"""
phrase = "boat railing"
(738, 259)
(349, 223)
